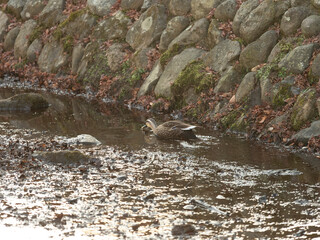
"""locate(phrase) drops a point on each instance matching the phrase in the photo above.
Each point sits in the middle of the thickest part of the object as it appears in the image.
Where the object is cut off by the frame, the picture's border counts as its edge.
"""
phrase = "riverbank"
(206, 62)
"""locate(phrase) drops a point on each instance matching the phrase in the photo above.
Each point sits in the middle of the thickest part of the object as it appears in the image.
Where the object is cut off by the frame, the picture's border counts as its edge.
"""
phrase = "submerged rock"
(24, 102)
(84, 139)
(185, 229)
(64, 157)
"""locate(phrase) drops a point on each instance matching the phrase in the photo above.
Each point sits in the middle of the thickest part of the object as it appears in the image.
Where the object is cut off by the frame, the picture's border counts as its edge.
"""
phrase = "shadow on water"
(261, 191)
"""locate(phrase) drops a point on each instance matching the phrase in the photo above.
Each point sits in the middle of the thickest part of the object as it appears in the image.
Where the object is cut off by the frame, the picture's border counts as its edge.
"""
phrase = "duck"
(174, 129)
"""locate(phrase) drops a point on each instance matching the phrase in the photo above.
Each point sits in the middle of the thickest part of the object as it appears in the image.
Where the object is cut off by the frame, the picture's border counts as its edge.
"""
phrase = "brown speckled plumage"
(172, 129)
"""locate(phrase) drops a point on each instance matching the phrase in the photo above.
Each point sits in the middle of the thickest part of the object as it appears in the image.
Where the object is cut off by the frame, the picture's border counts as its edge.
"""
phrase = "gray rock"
(52, 13)
(22, 42)
(318, 105)
(315, 68)
(223, 55)
(258, 21)
(201, 8)
(32, 8)
(115, 56)
(267, 93)
(148, 3)
(242, 14)
(258, 51)
(24, 102)
(296, 3)
(305, 134)
(226, 10)
(179, 7)
(115, 27)
(297, 60)
(11, 38)
(192, 34)
(304, 108)
(34, 50)
(52, 57)
(311, 26)
(151, 81)
(174, 27)
(141, 58)
(84, 139)
(89, 54)
(16, 6)
(246, 86)
(316, 3)
(148, 28)
(100, 7)
(214, 34)
(80, 26)
(77, 54)
(183, 230)
(131, 4)
(281, 7)
(4, 22)
(292, 20)
(173, 69)
(227, 81)
(64, 157)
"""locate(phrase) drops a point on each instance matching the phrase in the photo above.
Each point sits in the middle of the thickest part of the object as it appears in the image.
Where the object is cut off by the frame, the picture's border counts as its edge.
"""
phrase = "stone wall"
(229, 62)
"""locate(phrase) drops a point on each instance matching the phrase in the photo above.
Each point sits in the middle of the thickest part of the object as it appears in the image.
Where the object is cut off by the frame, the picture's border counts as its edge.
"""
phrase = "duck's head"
(151, 123)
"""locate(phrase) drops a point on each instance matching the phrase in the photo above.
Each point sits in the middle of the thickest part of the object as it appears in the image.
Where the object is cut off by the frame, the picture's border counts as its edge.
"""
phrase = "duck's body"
(172, 129)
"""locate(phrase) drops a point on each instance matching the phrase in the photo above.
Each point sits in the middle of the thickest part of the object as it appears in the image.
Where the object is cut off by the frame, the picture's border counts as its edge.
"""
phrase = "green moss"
(297, 117)
(230, 119)
(283, 94)
(73, 16)
(136, 76)
(36, 33)
(170, 53)
(241, 124)
(193, 76)
(67, 44)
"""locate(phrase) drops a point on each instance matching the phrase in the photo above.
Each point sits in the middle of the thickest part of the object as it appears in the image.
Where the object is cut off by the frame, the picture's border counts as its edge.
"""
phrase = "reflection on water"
(224, 186)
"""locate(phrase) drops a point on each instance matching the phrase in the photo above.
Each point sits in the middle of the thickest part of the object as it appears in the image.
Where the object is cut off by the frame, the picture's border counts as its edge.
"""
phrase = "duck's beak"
(145, 129)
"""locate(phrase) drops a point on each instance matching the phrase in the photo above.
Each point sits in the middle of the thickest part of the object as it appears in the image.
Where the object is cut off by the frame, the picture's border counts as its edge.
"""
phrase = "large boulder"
(179, 7)
(52, 57)
(223, 55)
(292, 20)
(201, 8)
(226, 10)
(115, 27)
(101, 7)
(32, 8)
(304, 108)
(16, 6)
(258, 51)
(11, 38)
(173, 69)
(305, 134)
(315, 68)
(77, 54)
(52, 13)
(148, 28)
(174, 27)
(4, 22)
(192, 34)
(242, 14)
(316, 3)
(151, 81)
(297, 60)
(34, 50)
(22, 41)
(246, 87)
(214, 34)
(227, 81)
(267, 92)
(311, 26)
(78, 24)
(131, 4)
(115, 56)
(258, 21)
(24, 102)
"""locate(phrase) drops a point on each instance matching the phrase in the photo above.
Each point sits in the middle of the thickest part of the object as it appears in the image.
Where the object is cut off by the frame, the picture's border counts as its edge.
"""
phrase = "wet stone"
(186, 229)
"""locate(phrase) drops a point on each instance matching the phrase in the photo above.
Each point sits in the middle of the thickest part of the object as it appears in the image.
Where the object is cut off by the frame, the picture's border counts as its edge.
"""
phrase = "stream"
(138, 187)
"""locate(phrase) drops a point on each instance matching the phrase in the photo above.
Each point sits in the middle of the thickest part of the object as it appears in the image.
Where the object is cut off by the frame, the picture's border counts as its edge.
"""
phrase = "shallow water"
(225, 187)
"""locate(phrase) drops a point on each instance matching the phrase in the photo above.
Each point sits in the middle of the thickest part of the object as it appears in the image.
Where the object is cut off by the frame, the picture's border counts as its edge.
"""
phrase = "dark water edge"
(225, 187)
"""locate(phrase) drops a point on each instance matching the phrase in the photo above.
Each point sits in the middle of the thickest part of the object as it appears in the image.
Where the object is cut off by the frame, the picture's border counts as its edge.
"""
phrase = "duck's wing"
(176, 124)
